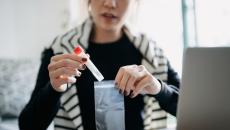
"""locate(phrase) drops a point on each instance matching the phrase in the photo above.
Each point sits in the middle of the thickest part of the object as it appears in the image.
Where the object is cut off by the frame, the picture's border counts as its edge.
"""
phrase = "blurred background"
(28, 26)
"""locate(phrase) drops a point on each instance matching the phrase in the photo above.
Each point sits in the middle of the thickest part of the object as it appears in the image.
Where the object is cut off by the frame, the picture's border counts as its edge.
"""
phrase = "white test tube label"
(97, 74)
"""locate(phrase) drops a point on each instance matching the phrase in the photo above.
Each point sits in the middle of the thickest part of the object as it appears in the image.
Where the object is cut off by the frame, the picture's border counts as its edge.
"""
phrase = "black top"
(108, 58)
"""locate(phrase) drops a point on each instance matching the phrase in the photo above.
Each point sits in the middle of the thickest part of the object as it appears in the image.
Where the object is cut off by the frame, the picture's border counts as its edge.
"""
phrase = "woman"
(134, 62)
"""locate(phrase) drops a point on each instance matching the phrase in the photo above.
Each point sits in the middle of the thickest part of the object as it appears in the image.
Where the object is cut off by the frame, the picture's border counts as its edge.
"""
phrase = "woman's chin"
(110, 27)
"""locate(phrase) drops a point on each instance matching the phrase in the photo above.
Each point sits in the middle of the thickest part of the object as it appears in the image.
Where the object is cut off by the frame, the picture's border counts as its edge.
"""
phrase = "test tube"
(97, 74)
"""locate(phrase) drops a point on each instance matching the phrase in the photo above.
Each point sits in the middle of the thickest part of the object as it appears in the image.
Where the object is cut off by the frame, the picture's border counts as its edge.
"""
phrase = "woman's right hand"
(64, 66)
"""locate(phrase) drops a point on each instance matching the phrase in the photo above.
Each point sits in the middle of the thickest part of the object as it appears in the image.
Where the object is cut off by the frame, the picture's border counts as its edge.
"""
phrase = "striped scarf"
(69, 113)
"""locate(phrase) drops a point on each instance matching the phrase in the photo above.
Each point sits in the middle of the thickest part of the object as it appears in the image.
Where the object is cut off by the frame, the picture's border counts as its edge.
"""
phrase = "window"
(211, 20)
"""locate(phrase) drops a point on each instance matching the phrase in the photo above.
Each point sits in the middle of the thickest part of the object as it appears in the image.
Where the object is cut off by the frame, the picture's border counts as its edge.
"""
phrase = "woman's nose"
(110, 3)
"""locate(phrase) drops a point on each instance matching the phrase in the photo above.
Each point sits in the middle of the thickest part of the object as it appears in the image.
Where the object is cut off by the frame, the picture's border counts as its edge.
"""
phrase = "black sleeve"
(44, 102)
(168, 96)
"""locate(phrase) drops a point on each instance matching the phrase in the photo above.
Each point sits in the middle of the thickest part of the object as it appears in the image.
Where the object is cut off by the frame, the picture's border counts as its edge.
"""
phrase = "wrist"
(158, 87)
(154, 86)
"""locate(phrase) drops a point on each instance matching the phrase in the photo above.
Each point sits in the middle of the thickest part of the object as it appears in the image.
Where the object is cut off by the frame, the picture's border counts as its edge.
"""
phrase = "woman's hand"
(133, 80)
(63, 68)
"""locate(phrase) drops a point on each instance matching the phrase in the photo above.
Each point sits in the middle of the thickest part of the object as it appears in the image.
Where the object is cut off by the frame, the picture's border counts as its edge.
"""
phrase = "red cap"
(78, 50)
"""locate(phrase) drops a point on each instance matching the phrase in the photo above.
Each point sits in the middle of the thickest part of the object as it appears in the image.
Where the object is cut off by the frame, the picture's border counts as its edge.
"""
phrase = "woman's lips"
(109, 17)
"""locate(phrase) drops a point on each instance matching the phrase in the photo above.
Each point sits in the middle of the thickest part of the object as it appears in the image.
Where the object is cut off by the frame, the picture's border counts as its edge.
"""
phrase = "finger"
(141, 68)
(123, 82)
(64, 80)
(69, 56)
(141, 71)
(78, 73)
(87, 55)
(82, 67)
(144, 82)
(119, 76)
(68, 79)
(137, 73)
(130, 85)
(64, 63)
(62, 71)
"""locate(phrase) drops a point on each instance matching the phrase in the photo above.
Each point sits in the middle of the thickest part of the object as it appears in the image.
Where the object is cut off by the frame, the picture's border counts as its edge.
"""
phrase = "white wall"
(27, 26)
(162, 20)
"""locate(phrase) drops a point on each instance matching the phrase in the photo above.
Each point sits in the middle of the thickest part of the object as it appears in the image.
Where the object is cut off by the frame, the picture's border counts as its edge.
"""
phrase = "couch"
(17, 80)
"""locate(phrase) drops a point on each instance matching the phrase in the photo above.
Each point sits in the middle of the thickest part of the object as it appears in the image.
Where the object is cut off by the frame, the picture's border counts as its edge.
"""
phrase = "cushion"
(17, 80)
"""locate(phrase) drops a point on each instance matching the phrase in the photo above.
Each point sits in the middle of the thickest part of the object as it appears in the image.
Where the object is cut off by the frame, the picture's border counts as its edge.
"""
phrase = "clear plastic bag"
(109, 106)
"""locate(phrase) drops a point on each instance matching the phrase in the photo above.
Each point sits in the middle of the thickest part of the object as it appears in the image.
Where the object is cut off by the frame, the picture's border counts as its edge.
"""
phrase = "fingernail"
(83, 67)
(120, 91)
(78, 73)
(116, 84)
(132, 95)
(131, 91)
(84, 59)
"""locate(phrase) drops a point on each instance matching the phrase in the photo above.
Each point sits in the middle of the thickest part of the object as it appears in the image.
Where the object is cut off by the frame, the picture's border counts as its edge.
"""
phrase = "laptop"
(204, 101)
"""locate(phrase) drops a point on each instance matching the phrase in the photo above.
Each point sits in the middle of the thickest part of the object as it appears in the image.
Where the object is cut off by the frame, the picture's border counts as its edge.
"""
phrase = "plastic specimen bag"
(109, 106)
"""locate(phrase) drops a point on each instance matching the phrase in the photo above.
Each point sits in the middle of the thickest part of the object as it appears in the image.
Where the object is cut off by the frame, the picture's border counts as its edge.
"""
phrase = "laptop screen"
(204, 101)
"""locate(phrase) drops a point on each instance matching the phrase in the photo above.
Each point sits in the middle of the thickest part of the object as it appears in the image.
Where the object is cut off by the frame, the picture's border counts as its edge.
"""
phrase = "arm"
(168, 96)
(44, 102)
(131, 80)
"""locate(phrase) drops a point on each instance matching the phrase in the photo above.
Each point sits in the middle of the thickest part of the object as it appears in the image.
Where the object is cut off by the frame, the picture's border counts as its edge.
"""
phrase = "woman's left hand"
(133, 80)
